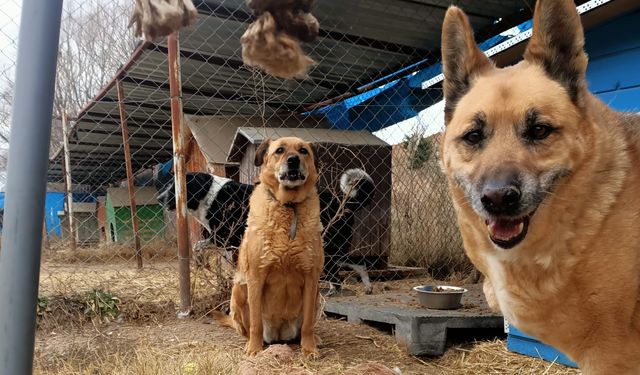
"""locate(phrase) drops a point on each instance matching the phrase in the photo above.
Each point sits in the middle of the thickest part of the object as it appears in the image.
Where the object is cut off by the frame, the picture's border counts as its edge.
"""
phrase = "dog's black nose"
(501, 199)
(293, 162)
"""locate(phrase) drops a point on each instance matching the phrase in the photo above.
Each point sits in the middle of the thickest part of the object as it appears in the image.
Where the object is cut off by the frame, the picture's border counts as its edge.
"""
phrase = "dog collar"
(294, 222)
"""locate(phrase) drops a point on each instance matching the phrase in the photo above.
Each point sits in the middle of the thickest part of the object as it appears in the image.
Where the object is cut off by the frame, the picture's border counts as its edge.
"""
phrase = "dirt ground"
(196, 346)
(146, 338)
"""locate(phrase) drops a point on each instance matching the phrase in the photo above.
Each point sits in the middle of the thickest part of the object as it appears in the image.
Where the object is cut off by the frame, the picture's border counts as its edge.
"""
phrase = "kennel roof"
(84, 207)
(215, 134)
(145, 196)
(362, 45)
(247, 135)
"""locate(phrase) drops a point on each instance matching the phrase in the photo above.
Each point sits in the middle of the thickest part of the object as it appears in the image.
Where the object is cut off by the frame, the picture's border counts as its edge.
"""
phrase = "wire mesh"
(362, 105)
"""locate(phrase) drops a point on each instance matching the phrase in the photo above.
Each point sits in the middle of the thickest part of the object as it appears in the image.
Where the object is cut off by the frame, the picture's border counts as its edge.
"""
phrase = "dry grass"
(492, 357)
(146, 338)
(109, 252)
(424, 232)
(191, 347)
(143, 359)
(144, 295)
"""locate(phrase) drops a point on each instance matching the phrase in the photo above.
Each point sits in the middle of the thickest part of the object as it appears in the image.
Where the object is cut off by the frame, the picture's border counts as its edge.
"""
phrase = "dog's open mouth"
(508, 232)
(292, 176)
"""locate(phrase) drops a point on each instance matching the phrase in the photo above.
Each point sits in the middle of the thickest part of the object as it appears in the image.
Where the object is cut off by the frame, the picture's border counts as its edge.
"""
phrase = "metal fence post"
(177, 126)
(128, 167)
(26, 182)
(68, 184)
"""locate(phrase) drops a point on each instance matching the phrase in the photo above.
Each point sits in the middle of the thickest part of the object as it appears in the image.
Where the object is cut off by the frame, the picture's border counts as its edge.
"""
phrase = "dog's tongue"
(504, 230)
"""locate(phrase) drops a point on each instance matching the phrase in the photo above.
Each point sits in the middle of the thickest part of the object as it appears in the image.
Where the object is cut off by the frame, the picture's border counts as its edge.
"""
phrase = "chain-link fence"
(386, 209)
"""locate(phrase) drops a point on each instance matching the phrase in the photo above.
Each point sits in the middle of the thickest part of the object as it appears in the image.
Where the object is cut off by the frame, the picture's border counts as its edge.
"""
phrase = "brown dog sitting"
(275, 293)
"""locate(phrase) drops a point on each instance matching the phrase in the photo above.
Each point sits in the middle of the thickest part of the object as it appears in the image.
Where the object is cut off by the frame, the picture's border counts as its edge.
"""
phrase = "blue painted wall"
(53, 203)
(614, 62)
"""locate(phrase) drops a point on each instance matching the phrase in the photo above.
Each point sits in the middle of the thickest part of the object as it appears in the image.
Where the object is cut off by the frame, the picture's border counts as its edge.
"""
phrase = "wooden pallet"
(419, 330)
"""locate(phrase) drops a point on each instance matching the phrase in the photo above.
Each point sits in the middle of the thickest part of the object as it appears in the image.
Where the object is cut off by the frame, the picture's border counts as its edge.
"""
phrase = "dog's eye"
(304, 151)
(473, 137)
(538, 132)
(279, 150)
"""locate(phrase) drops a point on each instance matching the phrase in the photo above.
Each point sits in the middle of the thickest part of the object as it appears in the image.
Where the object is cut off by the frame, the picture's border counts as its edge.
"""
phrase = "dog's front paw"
(310, 354)
(309, 347)
(251, 349)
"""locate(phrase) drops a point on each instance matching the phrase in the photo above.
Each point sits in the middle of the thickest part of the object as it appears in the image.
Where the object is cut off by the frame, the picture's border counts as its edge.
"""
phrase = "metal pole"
(127, 162)
(177, 127)
(26, 182)
(67, 182)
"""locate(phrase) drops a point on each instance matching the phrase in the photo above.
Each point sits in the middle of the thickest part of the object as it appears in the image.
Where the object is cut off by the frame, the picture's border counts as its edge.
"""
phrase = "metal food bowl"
(441, 297)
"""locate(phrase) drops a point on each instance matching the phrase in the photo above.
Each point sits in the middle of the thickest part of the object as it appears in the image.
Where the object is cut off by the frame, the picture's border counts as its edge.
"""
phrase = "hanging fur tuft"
(274, 52)
(298, 24)
(272, 42)
(154, 19)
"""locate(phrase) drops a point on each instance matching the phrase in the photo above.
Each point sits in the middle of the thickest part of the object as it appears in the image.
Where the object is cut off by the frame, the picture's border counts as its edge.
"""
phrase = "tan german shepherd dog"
(545, 179)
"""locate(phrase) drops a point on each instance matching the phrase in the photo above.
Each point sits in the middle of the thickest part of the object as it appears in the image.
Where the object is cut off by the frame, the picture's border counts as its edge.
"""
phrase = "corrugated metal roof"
(360, 41)
(145, 196)
(246, 135)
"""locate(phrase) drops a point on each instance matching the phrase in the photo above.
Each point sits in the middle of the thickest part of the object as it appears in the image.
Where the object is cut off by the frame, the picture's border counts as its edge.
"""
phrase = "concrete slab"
(420, 330)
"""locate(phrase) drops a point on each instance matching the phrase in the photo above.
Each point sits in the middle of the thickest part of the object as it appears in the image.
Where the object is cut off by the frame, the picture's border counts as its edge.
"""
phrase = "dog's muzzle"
(506, 213)
(292, 173)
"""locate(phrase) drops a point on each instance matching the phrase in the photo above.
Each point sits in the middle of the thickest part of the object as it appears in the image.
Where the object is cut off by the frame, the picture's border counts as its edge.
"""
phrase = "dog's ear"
(314, 153)
(261, 152)
(462, 60)
(557, 44)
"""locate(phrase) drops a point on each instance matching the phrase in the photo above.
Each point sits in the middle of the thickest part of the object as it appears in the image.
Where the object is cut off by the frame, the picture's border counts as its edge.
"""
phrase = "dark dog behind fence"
(221, 205)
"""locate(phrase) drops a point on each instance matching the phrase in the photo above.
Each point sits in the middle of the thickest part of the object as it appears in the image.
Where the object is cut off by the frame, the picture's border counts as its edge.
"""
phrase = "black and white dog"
(221, 206)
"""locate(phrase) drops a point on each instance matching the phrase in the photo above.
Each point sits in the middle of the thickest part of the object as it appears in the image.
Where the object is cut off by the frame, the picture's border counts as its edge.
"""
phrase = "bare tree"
(94, 43)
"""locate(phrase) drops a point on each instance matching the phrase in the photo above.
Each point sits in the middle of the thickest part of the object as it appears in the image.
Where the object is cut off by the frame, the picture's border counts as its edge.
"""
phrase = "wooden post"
(67, 182)
(129, 168)
(178, 135)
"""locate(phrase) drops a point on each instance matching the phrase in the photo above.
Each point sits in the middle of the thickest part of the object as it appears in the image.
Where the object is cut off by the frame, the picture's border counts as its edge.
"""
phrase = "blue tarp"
(53, 203)
(397, 100)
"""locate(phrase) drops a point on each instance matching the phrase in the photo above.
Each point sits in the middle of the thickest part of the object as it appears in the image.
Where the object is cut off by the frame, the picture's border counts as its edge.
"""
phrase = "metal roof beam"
(236, 64)
(117, 147)
(231, 97)
(197, 56)
(111, 119)
(111, 155)
(160, 107)
(82, 132)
